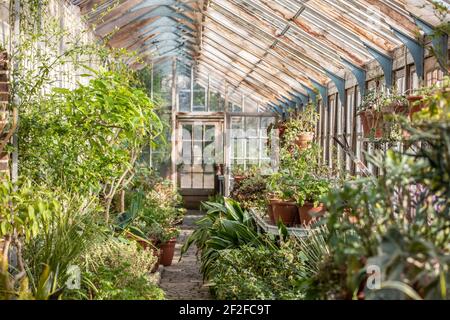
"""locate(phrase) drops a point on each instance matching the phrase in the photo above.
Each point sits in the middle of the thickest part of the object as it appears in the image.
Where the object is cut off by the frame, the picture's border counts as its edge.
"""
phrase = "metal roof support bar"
(385, 62)
(360, 75)
(340, 85)
(323, 90)
(415, 48)
(311, 93)
(439, 43)
(304, 98)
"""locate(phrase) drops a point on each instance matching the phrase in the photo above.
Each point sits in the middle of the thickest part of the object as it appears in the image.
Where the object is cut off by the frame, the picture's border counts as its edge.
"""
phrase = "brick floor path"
(183, 280)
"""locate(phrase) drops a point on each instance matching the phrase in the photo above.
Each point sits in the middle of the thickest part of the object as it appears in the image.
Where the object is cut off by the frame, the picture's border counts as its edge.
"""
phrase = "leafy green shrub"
(87, 140)
(251, 191)
(154, 207)
(398, 221)
(270, 273)
(117, 270)
(251, 273)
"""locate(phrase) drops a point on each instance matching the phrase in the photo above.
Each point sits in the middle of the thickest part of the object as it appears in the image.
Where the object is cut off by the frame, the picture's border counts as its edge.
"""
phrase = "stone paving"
(183, 280)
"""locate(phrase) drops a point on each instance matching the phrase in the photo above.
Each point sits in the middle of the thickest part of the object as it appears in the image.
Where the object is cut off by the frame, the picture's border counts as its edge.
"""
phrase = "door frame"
(217, 118)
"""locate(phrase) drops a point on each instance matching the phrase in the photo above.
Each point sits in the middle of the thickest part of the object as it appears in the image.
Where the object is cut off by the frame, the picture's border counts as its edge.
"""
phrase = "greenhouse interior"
(224, 150)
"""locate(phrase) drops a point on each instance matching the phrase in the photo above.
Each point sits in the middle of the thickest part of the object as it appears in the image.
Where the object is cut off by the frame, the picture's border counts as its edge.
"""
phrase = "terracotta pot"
(167, 252)
(303, 140)
(415, 107)
(285, 211)
(238, 179)
(397, 108)
(372, 122)
(270, 211)
(308, 213)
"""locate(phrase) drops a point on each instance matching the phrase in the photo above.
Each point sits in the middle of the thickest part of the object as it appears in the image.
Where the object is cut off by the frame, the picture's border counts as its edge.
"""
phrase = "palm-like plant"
(225, 226)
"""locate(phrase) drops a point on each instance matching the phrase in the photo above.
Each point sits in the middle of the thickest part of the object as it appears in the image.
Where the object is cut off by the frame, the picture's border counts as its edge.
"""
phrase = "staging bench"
(270, 228)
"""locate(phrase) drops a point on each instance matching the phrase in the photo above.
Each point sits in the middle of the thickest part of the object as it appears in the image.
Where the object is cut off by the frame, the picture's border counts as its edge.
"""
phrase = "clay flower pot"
(372, 121)
(308, 213)
(396, 107)
(286, 212)
(167, 252)
(238, 179)
(304, 139)
(414, 106)
(270, 211)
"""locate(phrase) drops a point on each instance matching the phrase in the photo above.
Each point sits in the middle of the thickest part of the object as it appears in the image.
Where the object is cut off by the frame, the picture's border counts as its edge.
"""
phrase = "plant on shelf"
(281, 202)
(376, 110)
(296, 164)
(251, 191)
(433, 104)
(309, 192)
(238, 172)
(300, 128)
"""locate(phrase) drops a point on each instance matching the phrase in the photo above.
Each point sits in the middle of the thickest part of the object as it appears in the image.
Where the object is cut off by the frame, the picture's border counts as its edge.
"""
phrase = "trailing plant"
(303, 122)
(383, 101)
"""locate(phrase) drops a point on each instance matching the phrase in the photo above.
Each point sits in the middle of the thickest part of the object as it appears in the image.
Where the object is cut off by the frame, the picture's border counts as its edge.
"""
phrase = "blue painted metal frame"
(311, 93)
(440, 44)
(386, 63)
(415, 48)
(340, 85)
(304, 98)
(360, 75)
(323, 91)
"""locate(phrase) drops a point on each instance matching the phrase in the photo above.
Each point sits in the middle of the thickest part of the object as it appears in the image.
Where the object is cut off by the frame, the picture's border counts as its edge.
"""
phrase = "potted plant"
(375, 106)
(431, 103)
(300, 128)
(251, 191)
(165, 239)
(308, 193)
(238, 173)
(167, 246)
(282, 203)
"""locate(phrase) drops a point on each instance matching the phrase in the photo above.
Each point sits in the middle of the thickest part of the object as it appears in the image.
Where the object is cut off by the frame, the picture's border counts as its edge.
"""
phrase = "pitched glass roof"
(266, 48)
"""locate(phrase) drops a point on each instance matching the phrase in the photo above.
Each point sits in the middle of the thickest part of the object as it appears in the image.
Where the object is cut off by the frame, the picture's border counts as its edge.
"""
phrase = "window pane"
(199, 98)
(187, 152)
(198, 132)
(252, 127)
(210, 133)
(209, 153)
(185, 100)
(187, 132)
(209, 181)
(185, 181)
